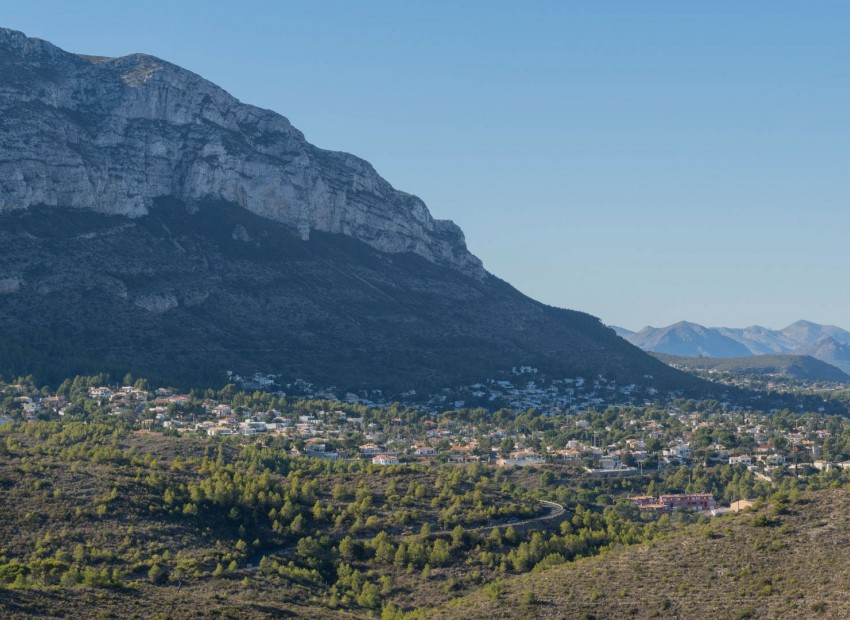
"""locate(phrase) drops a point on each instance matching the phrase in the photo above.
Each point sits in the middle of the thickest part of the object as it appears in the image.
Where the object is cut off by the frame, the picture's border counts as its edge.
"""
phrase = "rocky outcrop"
(157, 304)
(114, 135)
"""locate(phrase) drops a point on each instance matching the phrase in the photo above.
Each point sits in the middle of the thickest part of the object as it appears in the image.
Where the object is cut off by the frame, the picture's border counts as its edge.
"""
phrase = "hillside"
(99, 521)
(186, 295)
(150, 222)
(803, 367)
(788, 560)
(831, 351)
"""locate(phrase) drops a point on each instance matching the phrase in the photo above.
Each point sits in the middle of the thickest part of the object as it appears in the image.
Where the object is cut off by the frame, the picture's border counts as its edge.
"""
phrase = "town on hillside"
(586, 428)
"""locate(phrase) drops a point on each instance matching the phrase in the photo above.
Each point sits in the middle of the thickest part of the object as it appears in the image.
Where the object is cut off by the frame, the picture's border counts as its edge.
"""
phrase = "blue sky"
(642, 161)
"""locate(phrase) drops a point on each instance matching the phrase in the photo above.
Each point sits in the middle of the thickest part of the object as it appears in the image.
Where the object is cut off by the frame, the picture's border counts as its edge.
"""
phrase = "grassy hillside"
(100, 521)
(786, 559)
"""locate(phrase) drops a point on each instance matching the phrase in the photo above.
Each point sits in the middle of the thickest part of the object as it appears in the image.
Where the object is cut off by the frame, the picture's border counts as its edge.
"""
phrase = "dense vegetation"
(94, 507)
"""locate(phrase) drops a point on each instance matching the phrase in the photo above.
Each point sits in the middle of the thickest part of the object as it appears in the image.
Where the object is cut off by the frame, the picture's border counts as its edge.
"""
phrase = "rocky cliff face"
(113, 135)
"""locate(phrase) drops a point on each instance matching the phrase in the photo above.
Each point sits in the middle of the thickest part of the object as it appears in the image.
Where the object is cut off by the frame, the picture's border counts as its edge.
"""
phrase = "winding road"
(553, 511)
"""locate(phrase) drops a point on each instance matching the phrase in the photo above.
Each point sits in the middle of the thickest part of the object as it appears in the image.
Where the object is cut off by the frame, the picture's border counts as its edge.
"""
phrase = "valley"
(243, 376)
(132, 497)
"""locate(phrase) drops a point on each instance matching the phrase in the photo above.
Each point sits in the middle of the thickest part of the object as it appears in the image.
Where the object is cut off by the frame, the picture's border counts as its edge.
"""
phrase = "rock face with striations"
(114, 134)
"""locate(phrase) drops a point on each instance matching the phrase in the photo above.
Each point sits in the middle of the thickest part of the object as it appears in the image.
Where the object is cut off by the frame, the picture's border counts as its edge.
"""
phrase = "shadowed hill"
(185, 294)
(831, 351)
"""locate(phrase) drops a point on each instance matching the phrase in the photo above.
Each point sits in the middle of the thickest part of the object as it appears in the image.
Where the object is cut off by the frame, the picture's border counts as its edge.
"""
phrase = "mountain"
(830, 351)
(760, 340)
(150, 222)
(806, 333)
(826, 343)
(687, 339)
(803, 367)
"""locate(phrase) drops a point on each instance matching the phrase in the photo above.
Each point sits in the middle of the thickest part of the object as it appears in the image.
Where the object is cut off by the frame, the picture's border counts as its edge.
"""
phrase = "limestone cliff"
(113, 135)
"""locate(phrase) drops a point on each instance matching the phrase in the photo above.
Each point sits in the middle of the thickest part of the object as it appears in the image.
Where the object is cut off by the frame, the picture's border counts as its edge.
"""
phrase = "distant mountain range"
(826, 343)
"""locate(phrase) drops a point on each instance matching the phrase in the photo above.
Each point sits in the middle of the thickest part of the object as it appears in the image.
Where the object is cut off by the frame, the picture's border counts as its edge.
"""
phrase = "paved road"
(553, 511)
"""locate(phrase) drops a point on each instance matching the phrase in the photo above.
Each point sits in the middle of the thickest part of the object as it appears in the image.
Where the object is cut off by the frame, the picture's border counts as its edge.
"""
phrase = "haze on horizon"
(645, 162)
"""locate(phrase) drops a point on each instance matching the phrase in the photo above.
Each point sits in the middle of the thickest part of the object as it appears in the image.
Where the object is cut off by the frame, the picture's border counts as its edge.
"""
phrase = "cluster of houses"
(521, 389)
(700, 502)
(521, 458)
(526, 389)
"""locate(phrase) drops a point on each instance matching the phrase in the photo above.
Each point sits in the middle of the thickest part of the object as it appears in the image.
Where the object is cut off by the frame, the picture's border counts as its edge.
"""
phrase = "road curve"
(553, 511)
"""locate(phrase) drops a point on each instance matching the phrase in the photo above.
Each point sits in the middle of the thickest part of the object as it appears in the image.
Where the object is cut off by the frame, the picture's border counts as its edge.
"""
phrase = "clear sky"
(642, 161)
